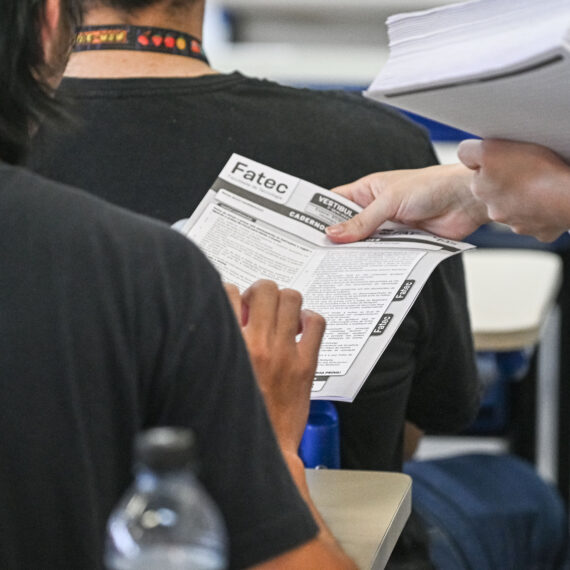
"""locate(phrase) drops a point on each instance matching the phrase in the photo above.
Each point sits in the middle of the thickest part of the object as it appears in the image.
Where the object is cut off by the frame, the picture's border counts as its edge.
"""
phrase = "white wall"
(330, 42)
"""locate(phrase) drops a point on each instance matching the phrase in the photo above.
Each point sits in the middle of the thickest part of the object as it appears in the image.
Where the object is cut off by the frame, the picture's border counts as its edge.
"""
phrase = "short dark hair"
(24, 97)
(130, 6)
(126, 5)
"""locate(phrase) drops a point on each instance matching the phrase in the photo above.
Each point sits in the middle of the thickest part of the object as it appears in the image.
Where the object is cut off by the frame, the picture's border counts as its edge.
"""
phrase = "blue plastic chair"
(496, 371)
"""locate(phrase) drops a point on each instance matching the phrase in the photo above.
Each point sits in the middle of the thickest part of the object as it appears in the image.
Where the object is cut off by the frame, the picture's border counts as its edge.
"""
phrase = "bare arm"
(412, 437)
(523, 185)
(270, 321)
(437, 199)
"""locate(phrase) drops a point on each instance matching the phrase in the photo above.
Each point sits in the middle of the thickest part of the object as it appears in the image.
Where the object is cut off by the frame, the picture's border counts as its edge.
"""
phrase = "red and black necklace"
(139, 38)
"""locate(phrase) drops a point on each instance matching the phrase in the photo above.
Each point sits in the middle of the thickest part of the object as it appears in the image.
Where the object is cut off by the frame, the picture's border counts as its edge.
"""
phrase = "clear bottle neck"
(147, 480)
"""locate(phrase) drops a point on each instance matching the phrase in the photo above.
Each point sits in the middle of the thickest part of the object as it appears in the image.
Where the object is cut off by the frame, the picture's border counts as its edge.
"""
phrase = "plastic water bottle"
(166, 521)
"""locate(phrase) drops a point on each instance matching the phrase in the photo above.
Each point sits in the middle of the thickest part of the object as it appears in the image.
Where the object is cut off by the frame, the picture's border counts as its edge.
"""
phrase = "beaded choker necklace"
(139, 38)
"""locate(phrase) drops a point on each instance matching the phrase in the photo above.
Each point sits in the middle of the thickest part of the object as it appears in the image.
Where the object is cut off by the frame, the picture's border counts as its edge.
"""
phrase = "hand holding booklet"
(259, 223)
(494, 68)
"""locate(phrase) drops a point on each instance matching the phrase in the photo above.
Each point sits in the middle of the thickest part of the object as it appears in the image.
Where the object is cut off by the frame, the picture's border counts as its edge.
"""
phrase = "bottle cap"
(166, 448)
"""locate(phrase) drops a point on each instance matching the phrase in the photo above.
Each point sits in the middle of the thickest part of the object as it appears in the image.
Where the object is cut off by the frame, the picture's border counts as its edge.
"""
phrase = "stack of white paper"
(495, 68)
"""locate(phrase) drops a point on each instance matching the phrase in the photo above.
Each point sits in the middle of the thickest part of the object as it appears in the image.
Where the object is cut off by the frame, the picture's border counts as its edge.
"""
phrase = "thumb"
(469, 153)
(362, 225)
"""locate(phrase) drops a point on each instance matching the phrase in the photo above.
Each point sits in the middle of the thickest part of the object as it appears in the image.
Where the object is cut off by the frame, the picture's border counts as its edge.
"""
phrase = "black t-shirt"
(112, 323)
(156, 145)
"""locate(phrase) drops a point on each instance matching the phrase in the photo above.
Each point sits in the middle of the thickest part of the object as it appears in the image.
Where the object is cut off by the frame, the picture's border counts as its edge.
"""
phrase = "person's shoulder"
(338, 104)
(61, 212)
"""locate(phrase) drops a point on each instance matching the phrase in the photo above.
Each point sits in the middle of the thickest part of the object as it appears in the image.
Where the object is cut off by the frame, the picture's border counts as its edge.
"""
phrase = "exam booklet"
(494, 68)
(259, 223)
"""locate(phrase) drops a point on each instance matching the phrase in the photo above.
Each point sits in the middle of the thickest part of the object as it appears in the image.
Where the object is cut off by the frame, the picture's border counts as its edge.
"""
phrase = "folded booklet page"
(259, 223)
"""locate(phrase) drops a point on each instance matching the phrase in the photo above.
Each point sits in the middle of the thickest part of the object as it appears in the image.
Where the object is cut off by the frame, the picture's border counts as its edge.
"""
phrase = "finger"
(262, 299)
(289, 315)
(362, 190)
(313, 330)
(362, 225)
(235, 300)
(349, 190)
(469, 153)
